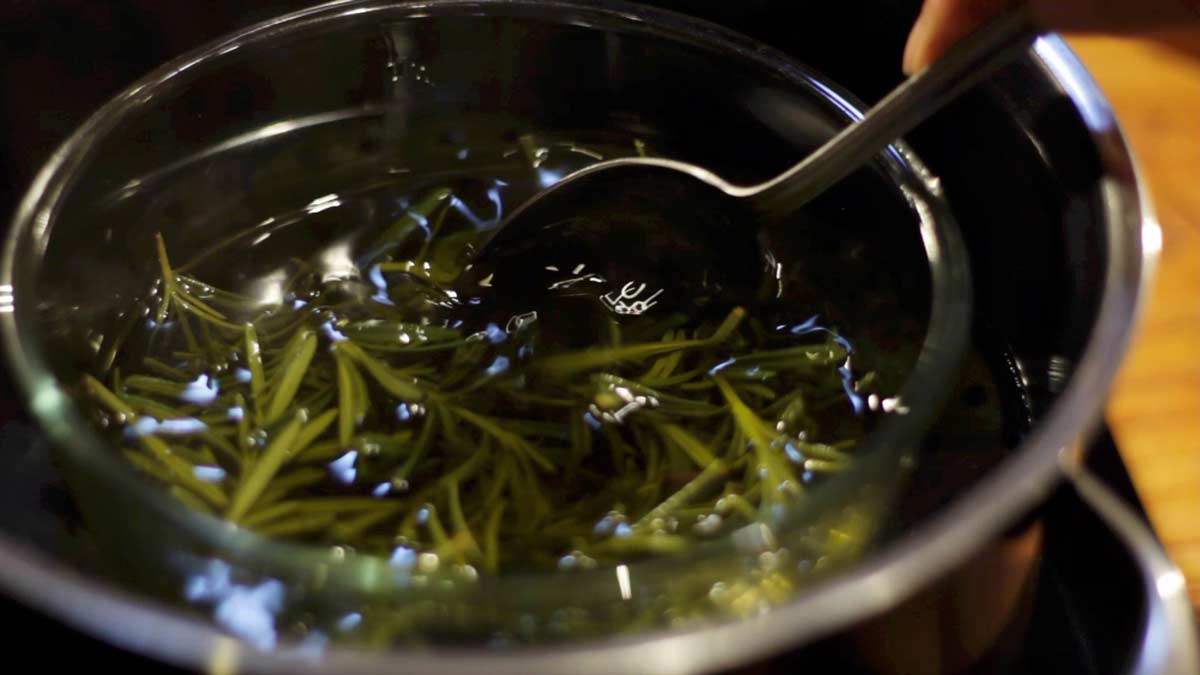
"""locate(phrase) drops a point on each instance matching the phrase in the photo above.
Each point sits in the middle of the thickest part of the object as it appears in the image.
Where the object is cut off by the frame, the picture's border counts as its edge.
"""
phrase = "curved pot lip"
(879, 583)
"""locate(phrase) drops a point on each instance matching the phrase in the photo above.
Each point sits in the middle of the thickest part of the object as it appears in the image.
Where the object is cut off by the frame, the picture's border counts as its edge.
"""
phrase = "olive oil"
(381, 393)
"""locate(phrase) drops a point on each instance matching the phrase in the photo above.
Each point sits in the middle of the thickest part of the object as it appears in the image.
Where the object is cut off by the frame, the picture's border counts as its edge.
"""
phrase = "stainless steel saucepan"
(1060, 233)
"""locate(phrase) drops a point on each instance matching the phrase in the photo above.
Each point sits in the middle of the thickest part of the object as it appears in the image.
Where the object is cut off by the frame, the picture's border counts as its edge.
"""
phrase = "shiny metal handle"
(967, 63)
(1169, 643)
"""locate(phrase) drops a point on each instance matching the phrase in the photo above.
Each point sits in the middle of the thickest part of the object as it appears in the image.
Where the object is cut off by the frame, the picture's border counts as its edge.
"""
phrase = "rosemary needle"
(349, 418)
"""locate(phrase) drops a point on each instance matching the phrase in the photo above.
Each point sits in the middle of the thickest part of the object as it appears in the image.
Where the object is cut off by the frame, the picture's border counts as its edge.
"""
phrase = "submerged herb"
(411, 418)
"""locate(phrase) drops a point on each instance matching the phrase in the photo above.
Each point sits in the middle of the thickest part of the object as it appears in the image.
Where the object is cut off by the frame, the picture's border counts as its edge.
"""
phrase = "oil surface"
(340, 374)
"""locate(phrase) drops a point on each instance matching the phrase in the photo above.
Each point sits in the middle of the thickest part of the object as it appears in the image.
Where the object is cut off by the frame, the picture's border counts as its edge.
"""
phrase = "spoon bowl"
(642, 234)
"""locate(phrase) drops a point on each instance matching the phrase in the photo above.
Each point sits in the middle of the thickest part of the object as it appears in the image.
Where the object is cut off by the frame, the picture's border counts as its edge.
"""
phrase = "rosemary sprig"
(359, 420)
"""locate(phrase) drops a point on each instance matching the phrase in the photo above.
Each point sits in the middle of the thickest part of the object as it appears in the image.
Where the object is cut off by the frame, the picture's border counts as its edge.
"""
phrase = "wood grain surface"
(1154, 84)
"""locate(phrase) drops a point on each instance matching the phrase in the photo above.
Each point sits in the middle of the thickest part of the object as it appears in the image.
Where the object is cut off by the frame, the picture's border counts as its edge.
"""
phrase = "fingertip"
(911, 63)
(916, 49)
(940, 24)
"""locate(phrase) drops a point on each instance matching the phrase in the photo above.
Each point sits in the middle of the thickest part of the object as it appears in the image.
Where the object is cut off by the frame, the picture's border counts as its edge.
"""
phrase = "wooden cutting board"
(1154, 85)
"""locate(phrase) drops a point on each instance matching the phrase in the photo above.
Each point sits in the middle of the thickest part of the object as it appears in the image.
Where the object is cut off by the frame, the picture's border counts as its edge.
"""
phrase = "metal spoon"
(639, 200)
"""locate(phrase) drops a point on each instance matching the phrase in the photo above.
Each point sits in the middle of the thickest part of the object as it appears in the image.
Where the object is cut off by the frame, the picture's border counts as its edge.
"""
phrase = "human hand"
(944, 22)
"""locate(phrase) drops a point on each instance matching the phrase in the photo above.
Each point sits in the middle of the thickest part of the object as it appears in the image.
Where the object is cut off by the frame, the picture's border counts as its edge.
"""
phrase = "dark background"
(61, 59)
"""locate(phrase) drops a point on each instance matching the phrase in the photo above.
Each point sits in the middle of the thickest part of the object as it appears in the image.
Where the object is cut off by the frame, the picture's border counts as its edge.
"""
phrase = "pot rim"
(876, 584)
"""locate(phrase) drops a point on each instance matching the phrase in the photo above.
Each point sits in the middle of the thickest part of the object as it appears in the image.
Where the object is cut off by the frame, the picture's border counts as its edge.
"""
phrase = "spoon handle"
(968, 62)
